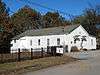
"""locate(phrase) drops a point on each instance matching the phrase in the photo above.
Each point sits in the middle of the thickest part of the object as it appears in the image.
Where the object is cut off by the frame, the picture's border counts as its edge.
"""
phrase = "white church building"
(65, 37)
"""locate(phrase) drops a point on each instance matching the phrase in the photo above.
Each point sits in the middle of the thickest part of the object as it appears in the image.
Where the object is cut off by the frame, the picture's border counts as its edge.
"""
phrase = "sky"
(72, 7)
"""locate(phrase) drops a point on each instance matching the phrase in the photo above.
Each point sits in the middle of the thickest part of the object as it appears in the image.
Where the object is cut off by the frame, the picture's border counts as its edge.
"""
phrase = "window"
(74, 41)
(31, 42)
(71, 42)
(14, 41)
(91, 41)
(38, 41)
(58, 41)
(48, 42)
(76, 38)
(79, 32)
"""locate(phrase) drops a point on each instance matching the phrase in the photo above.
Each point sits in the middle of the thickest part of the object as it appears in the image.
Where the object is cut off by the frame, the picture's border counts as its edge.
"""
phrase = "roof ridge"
(47, 31)
(58, 27)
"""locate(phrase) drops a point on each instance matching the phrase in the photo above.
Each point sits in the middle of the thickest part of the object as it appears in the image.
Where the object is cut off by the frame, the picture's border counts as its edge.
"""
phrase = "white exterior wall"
(65, 39)
(88, 44)
(24, 42)
(20, 43)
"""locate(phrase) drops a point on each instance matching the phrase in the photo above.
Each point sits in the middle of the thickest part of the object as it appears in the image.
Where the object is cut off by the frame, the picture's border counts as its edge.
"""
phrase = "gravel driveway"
(90, 66)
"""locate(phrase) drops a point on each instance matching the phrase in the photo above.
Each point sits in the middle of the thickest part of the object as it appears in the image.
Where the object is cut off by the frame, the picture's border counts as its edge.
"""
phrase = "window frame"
(30, 42)
(48, 42)
(58, 41)
(91, 41)
(14, 40)
(39, 41)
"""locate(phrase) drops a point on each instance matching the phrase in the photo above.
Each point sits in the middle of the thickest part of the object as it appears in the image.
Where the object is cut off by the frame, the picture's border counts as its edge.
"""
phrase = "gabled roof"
(48, 31)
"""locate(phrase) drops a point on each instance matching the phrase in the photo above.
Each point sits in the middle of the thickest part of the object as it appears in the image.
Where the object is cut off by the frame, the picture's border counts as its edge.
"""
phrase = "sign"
(59, 50)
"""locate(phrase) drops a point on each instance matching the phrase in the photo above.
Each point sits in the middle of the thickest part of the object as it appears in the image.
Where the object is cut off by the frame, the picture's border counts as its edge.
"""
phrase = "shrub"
(74, 49)
(84, 49)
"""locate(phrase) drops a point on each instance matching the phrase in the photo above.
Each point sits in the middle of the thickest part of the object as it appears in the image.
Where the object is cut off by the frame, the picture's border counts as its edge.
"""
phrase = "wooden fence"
(18, 56)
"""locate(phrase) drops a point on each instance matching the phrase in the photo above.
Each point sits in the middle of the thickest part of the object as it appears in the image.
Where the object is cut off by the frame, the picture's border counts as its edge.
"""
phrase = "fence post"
(47, 49)
(18, 54)
(31, 53)
(1, 57)
(42, 52)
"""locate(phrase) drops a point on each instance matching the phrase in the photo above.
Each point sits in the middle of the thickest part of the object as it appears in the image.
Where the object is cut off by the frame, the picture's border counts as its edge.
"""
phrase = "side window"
(14, 41)
(71, 42)
(74, 42)
(58, 41)
(91, 41)
(31, 42)
(48, 42)
(38, 41)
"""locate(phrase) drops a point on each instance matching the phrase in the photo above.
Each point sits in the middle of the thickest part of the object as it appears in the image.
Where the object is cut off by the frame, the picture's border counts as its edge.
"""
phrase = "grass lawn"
(16, 68)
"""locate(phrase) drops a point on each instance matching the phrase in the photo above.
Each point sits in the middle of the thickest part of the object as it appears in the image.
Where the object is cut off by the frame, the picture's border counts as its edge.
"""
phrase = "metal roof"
(48, 31)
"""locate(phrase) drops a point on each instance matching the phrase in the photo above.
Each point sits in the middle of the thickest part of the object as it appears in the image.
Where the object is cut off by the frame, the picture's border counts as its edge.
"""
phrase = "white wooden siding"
(65, 39)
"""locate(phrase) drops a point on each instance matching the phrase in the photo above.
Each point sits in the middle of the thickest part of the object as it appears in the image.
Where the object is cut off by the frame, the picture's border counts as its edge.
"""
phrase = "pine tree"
(5, 28)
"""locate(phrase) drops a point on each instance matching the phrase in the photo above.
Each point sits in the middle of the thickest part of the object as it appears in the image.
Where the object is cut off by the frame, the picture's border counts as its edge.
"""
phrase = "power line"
(45, 7)
(42, 6)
